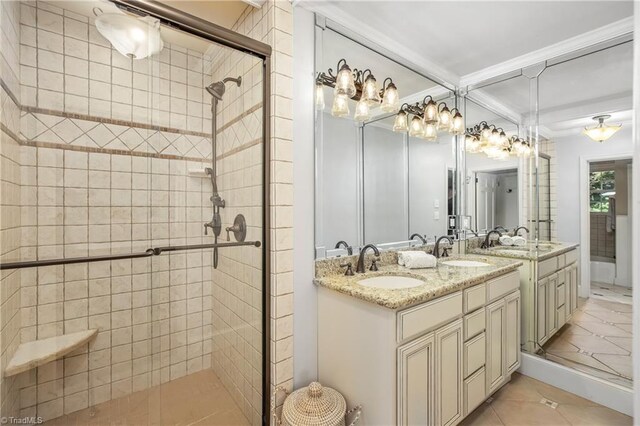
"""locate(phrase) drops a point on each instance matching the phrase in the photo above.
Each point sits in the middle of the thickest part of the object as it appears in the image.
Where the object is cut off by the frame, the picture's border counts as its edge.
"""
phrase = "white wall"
(304, 302)
(635, 212)
(569, 150)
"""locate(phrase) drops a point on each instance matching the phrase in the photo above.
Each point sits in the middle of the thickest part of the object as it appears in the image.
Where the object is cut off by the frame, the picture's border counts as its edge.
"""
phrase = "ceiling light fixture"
(133, 37)
(601, 132)
(361, 86)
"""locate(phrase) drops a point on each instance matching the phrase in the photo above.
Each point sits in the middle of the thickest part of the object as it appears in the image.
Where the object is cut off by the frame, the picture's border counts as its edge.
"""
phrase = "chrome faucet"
(344, 244)
(485, 244)
(515, 231)
(360, 265)
(436, 249)
(416, 235)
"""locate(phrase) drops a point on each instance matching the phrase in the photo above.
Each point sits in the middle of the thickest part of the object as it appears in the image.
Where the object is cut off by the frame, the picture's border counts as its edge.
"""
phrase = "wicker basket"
(313, 406)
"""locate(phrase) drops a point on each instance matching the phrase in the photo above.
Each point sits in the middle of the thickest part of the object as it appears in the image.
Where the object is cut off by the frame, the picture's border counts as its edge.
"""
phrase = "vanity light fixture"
(494, 143)
(601, 132)
(360, 86)
(428, 118)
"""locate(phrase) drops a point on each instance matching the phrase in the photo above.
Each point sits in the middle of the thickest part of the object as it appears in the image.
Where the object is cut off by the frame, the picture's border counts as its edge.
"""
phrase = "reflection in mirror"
(493, 184)
(374, 183)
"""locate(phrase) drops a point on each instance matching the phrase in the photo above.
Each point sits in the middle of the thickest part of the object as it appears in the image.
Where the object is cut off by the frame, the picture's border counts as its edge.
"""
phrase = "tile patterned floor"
(197, 399)
(597, 340)
(611, 293)
(519, 403)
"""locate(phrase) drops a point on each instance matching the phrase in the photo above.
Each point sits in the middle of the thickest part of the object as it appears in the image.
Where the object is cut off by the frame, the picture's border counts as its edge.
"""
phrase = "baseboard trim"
(592, 388)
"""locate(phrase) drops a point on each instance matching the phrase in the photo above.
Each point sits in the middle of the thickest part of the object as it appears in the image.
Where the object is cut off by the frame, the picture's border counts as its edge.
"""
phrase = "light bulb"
(401, 124)
(416, 129)
(457, 125)
(444, 121)
(340, 106)
(319, 96)
(390, 99)
(345, 84)
(430, 132)
(370, 92)
(362, 111)
(431, 112)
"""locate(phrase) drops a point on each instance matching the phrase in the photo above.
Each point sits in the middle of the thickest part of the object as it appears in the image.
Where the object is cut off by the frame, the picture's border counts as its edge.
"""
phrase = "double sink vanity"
(420, 346)
(428, 346)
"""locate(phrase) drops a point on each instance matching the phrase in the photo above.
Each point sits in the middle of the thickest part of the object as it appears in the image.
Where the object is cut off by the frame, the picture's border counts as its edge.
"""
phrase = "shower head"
(218, 88)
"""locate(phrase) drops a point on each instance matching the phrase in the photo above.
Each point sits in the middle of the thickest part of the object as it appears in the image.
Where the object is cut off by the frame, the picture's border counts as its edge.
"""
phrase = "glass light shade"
(494, 139)
(502, 154)
(444, 119)
(416, 129)
(319, 96)
(468, 143)
(390, 99)
(485, 134)
(457, 125)
(133, 37)
(370, 91)
(504, 140)
(601, 132)
(431, 112)
(430, 132)
(340, 106)
(362, 111)
(401, 123)
(345, 85)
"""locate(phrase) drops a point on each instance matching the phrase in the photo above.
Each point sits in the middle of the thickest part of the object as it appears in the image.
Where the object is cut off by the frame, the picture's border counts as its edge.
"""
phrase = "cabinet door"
(541, 311)
(512, 331)
(552, 325)
(448, 374)
(416, 383)
(496, 340)
(574, 288)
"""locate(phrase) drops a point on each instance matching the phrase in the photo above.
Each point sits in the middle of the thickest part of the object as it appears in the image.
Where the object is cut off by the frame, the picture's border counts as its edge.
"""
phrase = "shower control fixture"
(239, 229)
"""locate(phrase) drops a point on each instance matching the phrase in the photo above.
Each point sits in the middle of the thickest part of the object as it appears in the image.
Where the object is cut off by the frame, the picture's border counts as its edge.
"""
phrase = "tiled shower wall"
(99, 171)
(236, 302)
(10, 196)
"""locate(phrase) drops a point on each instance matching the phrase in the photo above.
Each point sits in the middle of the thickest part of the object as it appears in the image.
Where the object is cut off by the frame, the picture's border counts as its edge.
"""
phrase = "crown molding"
(409, 58)
(582, 41)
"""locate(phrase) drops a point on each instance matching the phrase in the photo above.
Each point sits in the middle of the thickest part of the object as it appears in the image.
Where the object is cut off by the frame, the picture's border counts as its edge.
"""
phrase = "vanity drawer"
(503, 285)
(561, 292)
(547, 267)
(571, 257)
(473, 390)
(474, 324)
(561, 261)
(474, 354)
(474, 297)
(422, 318)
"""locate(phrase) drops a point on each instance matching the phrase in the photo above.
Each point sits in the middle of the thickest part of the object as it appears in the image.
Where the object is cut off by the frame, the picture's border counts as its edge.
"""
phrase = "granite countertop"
(438, 281)
(546, 250)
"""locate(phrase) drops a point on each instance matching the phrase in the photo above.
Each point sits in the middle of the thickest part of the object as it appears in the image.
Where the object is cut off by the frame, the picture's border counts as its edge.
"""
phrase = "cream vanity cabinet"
(429, 364)
(550, 296)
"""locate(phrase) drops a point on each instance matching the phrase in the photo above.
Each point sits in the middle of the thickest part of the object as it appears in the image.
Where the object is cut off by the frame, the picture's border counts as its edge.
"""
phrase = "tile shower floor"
(597, 340)
(522, 402)
(197, 399)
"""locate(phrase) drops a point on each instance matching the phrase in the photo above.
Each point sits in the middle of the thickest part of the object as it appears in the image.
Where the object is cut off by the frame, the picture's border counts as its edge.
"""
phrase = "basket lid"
(314, 405)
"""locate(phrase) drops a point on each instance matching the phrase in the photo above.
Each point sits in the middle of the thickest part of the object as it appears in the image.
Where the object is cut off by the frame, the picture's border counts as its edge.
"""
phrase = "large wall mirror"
(375, 184)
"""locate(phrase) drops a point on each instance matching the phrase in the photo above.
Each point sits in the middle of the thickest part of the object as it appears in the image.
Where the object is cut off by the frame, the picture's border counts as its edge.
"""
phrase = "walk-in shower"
(116, 304)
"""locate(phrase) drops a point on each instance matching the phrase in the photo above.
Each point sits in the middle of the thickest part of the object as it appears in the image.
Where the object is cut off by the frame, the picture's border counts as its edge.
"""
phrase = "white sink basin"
(465, 263)
(390, 282)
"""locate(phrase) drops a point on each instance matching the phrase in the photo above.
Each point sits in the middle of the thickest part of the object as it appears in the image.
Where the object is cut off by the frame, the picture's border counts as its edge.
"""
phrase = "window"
(602, 185)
